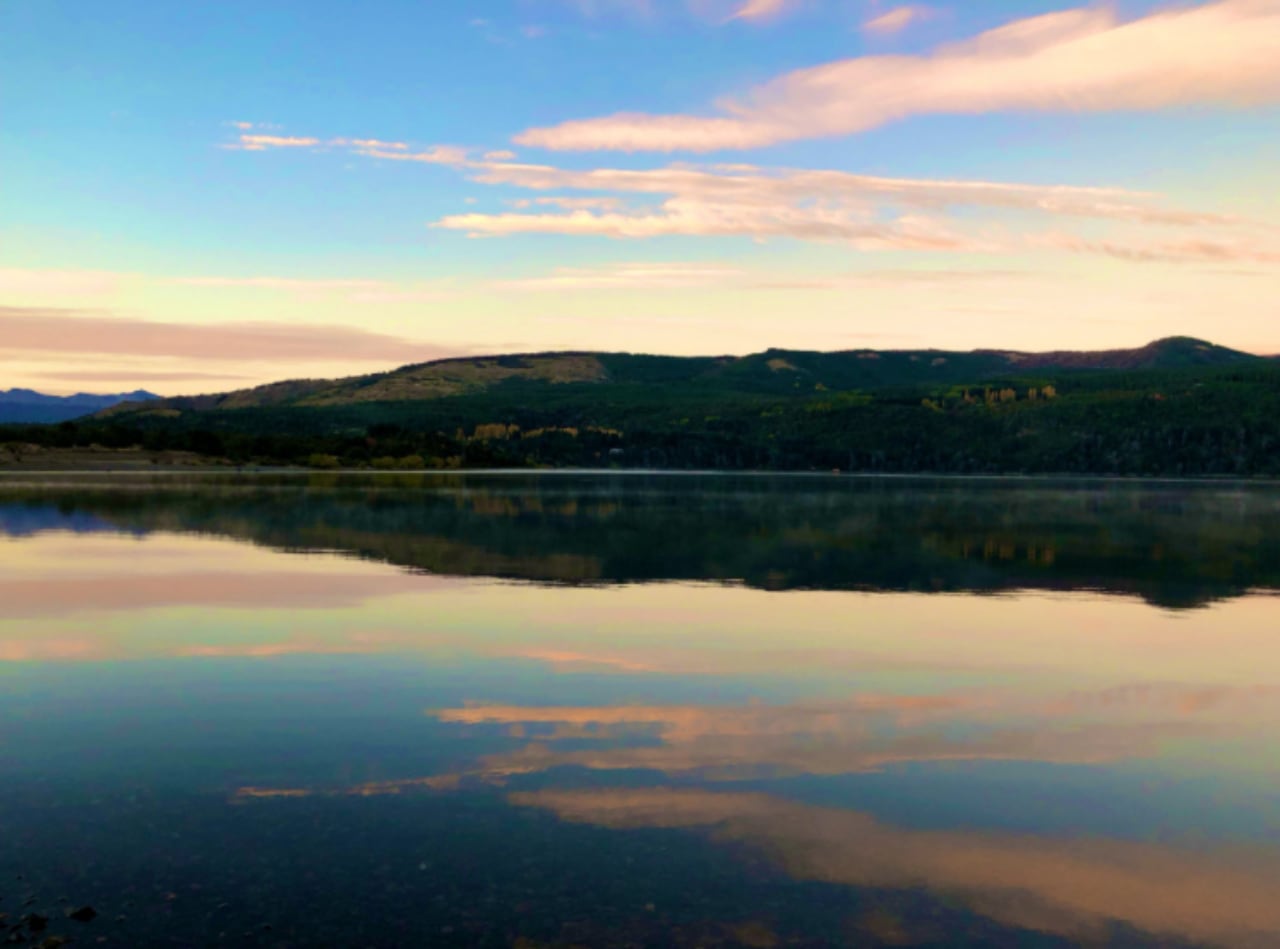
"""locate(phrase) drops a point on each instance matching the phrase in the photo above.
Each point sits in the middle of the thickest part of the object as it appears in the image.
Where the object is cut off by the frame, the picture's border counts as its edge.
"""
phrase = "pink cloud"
(371, 143)
(897, 19)
(1078, 888)
(1080, 60)
(436, 155)
(630, 276)
(866, 211)
(753, 185)
(59, 284)
(51, 330)
(761, 10)
(370, 147)
(282, 283)
(259, 143)
(35, 597)
(690, 219)
(872, 212)
(136, 376)
(1185, 250)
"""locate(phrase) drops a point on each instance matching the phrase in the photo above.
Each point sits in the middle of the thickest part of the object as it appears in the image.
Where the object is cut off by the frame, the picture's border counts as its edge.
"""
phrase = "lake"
(555, 709)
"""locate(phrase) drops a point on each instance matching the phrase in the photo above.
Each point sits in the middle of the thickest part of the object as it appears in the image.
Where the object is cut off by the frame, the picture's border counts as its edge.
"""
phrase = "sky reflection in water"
(819, 757)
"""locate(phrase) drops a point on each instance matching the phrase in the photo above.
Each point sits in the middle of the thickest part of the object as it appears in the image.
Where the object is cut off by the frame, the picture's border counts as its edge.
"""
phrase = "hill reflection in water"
(1176, 545)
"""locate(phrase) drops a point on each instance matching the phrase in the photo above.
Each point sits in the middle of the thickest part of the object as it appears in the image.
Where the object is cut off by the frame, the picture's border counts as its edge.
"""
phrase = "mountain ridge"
(776, 371)
(1179, 406)
(20, 405)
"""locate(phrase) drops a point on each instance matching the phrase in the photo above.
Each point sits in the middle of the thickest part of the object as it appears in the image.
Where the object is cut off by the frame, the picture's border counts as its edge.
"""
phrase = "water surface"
(555, 710)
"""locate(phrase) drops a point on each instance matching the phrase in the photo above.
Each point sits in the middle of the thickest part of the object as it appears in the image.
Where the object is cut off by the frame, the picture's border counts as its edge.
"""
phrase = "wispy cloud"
(872, 212)
(281, 283)
(628, 276)
(745, 198)
(370, 143)
(51, 596)
(259, 143)
(1184, 250)
(80, 375)
(370, 147)
(708, 221)
(58, 284)
(717, 12)
(349, 289)
(756, 185)
(436, 155)
(763, 10)
(868, 212)
(52, 330)
(897, 19)
(1082, 60)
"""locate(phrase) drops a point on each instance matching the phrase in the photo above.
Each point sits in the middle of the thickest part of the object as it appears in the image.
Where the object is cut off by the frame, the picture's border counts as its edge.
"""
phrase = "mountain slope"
(1177, 407)
(774, 372)
(1174, 352)
(27, 405)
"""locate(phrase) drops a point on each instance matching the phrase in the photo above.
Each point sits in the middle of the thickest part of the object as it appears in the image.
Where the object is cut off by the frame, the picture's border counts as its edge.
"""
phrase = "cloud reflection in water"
(1073, 887)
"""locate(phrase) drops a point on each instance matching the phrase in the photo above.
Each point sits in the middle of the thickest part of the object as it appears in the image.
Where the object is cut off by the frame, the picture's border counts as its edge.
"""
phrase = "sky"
(203, 196)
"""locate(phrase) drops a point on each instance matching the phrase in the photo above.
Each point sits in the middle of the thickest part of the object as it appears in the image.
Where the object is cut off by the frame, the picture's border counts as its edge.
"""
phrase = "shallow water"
(554, 710)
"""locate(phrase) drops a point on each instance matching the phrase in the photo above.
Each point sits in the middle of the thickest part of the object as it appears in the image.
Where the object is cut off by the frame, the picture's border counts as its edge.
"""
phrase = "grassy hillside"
(1176, 407)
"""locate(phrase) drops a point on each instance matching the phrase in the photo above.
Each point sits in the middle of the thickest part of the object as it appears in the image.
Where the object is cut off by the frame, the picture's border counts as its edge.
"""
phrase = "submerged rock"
(82, 915)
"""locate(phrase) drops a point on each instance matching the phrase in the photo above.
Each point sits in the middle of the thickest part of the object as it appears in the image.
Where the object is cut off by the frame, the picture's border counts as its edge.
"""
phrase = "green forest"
(1183, 409)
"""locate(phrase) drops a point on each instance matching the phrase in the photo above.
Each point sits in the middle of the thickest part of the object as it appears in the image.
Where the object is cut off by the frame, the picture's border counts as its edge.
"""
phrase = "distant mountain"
(779, 372)
(27, 405)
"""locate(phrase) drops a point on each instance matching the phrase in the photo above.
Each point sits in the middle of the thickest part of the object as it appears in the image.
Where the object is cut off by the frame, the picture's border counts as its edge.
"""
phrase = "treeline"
(1193, 422)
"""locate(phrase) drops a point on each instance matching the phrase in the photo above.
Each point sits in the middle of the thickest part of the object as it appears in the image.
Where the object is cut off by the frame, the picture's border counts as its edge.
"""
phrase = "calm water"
(512, 710)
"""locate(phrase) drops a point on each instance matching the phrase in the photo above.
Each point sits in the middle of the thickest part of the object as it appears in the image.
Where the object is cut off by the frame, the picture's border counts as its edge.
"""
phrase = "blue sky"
(199, 196)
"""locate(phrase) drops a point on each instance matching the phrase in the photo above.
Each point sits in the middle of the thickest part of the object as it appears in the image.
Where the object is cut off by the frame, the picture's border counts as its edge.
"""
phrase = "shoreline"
(208, 468)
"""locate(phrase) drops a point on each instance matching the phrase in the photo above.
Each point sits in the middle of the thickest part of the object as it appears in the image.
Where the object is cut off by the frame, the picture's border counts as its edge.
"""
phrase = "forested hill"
(774, 372)
(1176, 407)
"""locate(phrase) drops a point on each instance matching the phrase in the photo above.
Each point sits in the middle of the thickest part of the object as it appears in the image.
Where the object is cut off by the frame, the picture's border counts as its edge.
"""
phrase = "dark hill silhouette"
(1178, 406)
(1174, 352)
(776, 371)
